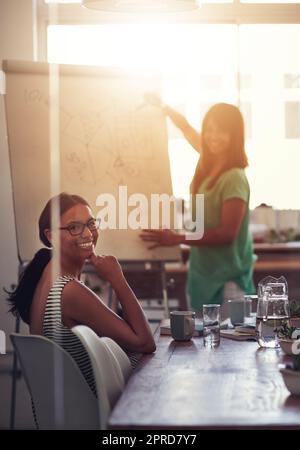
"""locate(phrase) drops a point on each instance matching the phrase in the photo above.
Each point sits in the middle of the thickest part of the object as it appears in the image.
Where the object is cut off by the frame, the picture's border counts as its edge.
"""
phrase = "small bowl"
(286, 345)
(291, 379)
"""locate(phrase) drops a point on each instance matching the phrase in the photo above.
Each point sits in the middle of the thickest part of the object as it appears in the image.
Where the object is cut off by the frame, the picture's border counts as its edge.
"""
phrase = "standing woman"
(220, 264)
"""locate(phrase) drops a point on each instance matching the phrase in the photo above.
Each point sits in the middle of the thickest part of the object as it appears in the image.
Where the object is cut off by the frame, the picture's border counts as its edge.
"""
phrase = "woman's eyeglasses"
(77, 228)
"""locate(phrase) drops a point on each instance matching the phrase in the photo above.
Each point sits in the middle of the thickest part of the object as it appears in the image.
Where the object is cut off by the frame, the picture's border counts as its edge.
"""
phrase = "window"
(268, 52)
(192, 80)
(253, 65)
(292, 81)
(246, 109)
(292, 120)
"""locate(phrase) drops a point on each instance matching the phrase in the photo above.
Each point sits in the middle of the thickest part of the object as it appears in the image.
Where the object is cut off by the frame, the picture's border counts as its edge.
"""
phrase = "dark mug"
(236, 311)
(182, 325)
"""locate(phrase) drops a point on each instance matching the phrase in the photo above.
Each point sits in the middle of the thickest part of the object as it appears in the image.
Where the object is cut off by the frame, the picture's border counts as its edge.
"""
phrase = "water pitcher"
(272, 310)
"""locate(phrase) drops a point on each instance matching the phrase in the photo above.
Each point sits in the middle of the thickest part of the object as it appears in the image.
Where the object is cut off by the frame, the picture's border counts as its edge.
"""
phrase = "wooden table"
(186, 386)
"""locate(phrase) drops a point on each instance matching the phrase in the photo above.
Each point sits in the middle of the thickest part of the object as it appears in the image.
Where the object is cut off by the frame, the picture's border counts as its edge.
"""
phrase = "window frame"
(228, 13)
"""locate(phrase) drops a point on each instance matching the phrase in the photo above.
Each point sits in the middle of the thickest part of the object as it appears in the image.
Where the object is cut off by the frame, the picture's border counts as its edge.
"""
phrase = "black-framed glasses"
(77, 228)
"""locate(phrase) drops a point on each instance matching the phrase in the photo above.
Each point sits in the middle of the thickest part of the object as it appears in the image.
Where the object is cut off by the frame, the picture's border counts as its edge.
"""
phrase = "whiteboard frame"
(34, 68)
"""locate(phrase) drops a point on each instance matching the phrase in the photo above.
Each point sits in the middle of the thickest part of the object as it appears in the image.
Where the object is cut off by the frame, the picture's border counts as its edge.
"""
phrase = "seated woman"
(52, 306)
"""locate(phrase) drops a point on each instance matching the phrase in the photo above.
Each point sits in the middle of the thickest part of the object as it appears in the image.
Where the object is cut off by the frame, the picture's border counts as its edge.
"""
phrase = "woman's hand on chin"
(107, 267)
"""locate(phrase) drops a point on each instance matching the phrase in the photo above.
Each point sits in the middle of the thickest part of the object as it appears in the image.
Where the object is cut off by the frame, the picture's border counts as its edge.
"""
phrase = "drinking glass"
(211, 325)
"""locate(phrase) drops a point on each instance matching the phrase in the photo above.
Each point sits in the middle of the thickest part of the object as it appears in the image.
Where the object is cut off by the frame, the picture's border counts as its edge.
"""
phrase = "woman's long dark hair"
(228, 118)
(21, 298)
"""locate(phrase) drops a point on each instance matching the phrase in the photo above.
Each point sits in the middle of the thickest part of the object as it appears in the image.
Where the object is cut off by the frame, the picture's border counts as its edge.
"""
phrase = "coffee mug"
(182, 325)
(236, 311)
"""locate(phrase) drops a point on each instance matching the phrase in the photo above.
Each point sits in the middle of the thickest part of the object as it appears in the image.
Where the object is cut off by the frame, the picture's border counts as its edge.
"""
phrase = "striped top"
(54, 329)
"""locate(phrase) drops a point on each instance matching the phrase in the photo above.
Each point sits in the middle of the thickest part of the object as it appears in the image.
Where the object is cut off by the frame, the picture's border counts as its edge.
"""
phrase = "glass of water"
(211, 325)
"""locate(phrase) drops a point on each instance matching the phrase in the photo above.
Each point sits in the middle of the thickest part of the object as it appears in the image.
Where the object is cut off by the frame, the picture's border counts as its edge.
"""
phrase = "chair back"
(62, 397)
(120, 356)
(107, 371)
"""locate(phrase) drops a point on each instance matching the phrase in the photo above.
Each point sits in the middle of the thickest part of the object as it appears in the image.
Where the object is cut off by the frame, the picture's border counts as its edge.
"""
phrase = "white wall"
(16, 42)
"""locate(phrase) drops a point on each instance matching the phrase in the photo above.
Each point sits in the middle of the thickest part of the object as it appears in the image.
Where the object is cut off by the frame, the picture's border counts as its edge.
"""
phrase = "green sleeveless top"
(210, 267)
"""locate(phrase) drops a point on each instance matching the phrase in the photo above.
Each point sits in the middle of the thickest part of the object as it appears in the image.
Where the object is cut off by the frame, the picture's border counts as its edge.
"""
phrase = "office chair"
(61, 396)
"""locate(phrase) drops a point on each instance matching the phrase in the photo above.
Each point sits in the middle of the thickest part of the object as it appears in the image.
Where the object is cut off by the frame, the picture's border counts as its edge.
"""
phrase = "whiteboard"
(108, 138)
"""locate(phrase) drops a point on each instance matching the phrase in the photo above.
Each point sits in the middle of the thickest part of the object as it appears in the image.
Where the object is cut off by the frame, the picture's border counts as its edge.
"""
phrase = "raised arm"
(191, 135)
(83, 306)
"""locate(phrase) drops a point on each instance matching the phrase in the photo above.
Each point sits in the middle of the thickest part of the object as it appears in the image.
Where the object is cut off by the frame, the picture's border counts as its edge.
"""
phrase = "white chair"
(107, 371)
(61, 396)
(120, 356)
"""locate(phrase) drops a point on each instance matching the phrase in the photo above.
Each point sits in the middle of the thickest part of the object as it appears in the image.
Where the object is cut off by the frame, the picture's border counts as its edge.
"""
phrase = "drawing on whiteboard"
(99, 142)
(113, 142)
